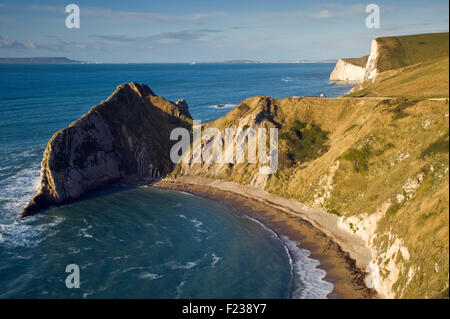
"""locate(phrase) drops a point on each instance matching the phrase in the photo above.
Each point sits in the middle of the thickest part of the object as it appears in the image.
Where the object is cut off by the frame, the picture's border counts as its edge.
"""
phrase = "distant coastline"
(65, 60)
(40, 60)
(280, 61)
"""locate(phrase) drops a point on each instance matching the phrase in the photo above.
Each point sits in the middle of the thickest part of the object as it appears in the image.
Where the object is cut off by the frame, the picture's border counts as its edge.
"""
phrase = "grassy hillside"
(381, 165)
(423, 80)
(362, 61)
(356, 158)
(414, 66)
(400, 51)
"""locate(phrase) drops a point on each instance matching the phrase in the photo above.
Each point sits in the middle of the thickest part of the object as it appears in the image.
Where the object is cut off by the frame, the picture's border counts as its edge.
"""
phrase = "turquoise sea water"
(140, 242)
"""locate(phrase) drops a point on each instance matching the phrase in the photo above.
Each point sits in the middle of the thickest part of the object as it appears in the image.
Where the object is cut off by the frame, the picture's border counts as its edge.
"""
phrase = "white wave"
(17, 190)
(180, 289)
(287, 79)
(23, 257)
(188, 265)
(87, 265)
(121, 257)
(215, 260)
(178, 205)
(73, 250)
(149, 275)
(86, 294)
(15, 193)
(185, 193)
(274, 234)
(225, 106)
(182, 216)
(135, 268)
(84, 233)
(198, 225)
(23, 233)
(309, 279)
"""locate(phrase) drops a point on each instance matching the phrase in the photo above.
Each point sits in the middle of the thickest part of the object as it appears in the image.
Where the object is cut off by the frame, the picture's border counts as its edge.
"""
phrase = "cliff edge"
(392, 53)
(124, 139)
(349, 69)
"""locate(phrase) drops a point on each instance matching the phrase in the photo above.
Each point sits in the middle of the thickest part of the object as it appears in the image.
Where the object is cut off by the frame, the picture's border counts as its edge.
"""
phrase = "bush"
(304, 142)
(359, 158)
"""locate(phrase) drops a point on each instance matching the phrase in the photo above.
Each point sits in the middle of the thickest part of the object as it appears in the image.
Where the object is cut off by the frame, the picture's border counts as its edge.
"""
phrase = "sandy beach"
(343, 256)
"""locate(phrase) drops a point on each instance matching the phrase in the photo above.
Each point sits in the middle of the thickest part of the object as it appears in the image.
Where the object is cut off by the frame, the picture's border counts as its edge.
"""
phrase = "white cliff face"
(389, 252)
(390, 261)
(381, 275)
(345, 71)
(371, 70)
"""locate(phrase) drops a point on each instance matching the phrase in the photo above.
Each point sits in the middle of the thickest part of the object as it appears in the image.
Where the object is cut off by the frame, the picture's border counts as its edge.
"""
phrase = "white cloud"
(14, 44)
(324, 11)
(179, 36)
(133, 15)
(54, 44)
(323, 14)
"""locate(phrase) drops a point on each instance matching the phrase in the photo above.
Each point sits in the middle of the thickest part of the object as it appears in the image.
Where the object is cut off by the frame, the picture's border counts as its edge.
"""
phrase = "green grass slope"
(413, 66)
(362, 61)
(354, 157)
(419, 81)
(399, 51)
(382, 165)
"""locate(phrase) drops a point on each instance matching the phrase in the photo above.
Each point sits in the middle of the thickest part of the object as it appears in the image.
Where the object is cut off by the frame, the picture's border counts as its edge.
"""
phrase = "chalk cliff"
(349, 70)
(358, 69)
(371, 69)
(124, 139)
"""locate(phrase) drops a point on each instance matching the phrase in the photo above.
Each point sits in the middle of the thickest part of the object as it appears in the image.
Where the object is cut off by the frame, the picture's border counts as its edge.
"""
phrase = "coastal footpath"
(372, 165)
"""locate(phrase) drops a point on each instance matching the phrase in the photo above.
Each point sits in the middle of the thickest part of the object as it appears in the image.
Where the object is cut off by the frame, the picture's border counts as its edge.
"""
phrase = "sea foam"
(308, 279)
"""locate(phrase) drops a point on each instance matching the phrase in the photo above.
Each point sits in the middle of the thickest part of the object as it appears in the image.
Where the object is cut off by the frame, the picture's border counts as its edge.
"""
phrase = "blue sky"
(208, 30)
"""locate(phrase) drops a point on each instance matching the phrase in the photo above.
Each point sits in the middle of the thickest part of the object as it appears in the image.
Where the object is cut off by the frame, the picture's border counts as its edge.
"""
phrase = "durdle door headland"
(125, 140)
(369, 169)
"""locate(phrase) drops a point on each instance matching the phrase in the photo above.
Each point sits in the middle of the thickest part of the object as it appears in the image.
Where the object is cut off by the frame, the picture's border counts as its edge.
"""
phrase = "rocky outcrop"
(349, 70)
(260, 116)
(123, 140)
(183, 107)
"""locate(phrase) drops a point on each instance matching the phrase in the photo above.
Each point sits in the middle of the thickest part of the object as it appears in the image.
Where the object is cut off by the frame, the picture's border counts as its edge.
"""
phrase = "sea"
(141, 242)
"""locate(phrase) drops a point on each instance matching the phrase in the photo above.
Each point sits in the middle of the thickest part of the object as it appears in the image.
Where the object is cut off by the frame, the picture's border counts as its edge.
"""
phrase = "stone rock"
(346, 71)
(183, 107)
(125, 139)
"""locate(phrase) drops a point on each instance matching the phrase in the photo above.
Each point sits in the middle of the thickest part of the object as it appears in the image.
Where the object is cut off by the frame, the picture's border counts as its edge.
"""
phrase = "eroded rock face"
(346, 71)
(371, 68)
(123, 140)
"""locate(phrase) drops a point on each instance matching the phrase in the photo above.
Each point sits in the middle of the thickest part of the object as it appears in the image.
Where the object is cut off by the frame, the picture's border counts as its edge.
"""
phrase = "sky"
(138, 31)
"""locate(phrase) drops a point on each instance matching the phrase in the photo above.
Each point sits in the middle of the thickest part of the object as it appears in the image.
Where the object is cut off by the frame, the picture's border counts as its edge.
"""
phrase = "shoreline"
(342, 270)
